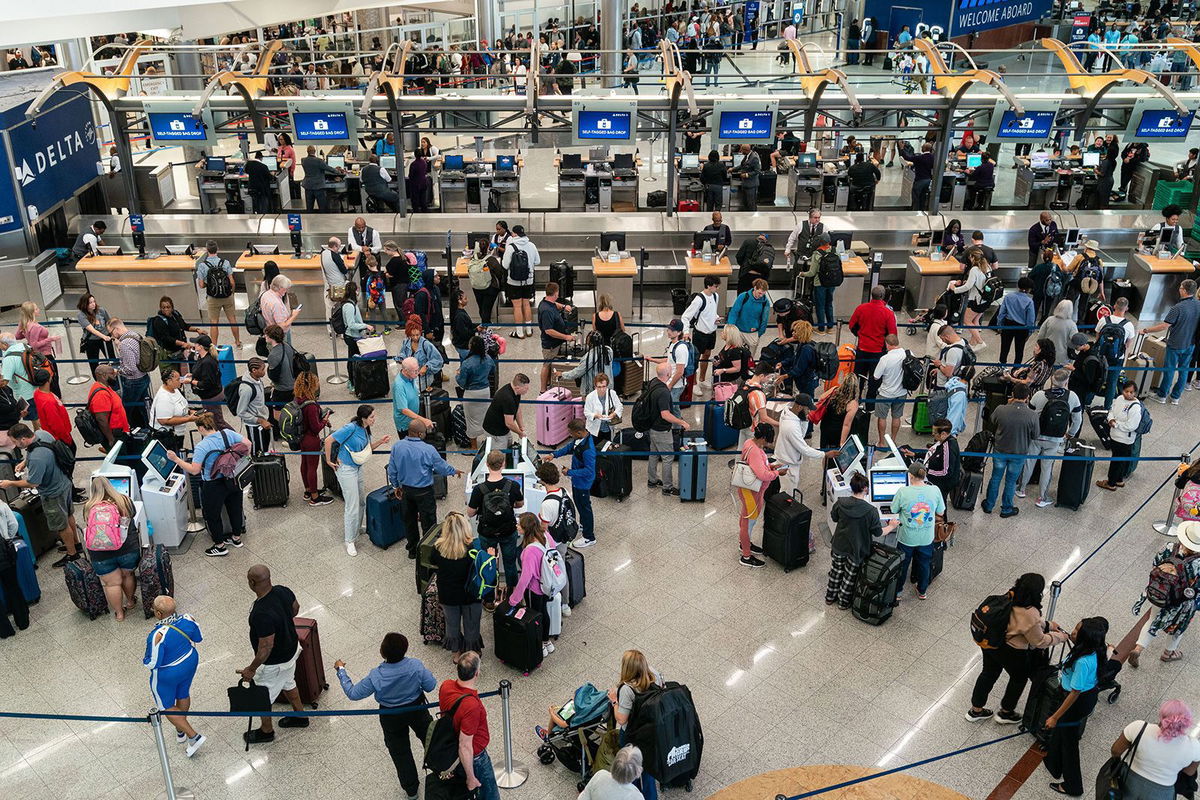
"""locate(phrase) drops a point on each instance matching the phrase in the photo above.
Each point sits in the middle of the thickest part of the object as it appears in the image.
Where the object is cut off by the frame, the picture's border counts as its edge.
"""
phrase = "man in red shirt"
(105, 404)
(470, 723)
(52, 415)
(871, 322)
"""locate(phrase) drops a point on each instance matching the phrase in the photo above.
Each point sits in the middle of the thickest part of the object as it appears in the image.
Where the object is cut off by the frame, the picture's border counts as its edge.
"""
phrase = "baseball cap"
(1079, 340)
(823, 238)
(675, 325)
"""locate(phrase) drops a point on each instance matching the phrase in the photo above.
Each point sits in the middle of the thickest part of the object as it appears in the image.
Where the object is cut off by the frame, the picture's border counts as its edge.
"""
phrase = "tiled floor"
(780, 680)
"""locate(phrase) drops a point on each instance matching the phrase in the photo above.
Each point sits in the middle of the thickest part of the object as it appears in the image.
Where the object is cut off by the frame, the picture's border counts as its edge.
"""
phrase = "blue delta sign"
(319, 126)
(1163, 124)
(746, 125)
(973, 16)
(1035, 125)
(604, 125)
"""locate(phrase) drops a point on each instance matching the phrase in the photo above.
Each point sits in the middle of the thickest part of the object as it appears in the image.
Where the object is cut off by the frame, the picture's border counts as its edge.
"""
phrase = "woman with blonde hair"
(837, 407)
(636, 677)
(607, 320)
(454, 562)
(112, 543)
(732, 363)
(39, 340)
(802, 368)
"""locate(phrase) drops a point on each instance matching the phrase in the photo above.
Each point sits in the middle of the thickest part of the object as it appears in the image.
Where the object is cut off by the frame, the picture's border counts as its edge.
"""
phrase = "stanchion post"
(510, 774)
(172, 792)
(75, 379)
(1055, 591)
(837, 336)
(336, 379)
(1163, 526)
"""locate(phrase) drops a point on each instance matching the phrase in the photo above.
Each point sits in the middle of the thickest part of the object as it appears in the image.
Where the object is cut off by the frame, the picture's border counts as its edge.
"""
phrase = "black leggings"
(218, 494)
(399, 745)
(1117, 470)
(1017, 663)
(92, 349)
(486, 300)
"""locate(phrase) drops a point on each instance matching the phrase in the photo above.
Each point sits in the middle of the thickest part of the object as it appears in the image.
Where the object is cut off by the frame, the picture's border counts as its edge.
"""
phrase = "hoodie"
(749, 314)
(535, 258)
(857, 524)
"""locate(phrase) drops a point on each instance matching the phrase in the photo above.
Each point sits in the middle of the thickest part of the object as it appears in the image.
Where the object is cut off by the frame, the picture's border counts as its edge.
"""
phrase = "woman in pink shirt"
(754, 453)
(534, 542)
(39, 339)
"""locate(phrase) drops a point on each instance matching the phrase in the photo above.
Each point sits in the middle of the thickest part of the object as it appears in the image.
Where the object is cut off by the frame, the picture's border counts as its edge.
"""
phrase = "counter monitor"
(974, 160)
(1070, 238)
(886, 482)
(806, 160)
(1091, 159)
(571, 161)
(387, 162)
(270, 162)
(736, 160)
(265, 249)
(214, 164)
(689, 161)
(120, 484)
(1039, 160)
(179, 249)
(336, 162)
(612, 236)
(453, 163)
(109, 249)
(844, 238)
(506, 163)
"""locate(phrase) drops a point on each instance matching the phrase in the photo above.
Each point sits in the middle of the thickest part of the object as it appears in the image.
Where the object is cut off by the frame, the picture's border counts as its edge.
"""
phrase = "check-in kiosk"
(1037, 182)
(571, 182)
(805, 183)
(124, 480)
(1156, 271)
(520, 467)
(452, 185)
(847, 461)
(164, 494)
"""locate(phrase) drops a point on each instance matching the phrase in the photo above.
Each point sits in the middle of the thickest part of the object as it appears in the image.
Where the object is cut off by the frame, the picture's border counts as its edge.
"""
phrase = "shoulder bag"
(1110, 781)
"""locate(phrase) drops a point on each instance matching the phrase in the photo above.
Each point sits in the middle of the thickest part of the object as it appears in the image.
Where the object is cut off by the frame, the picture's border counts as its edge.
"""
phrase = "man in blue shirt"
(904, 38)
(750, 312)
(396, 683)
(406, 396)
(582, 473)
(410, 472)
(1182, 320)
(172, 658)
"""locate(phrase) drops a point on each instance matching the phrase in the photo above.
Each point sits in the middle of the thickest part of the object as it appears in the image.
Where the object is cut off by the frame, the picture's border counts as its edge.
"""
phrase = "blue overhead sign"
(176, 128)
(320, 126)
(746, 125)
(1035, 125)
(1163, 124)
(604, 125)
(51, 161)
(973, 16)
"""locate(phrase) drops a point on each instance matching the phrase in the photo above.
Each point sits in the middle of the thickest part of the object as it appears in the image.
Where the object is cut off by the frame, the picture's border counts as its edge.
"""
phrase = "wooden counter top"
(698, 267)
(797, 780)
(460, 267)
(625, 268)
(1156, 265)
(927, 266)
(132, 263)
(855, 267)
(288, 261)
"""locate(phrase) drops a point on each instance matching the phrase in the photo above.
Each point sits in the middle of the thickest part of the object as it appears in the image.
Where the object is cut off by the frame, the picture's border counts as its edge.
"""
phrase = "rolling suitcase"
(84, 588)
(269, 482)
(433, 618)
(936, 562)
(385, 524)
(155, 576)
(329, 478)
(8, 472)
(878, 583)
(370, 377)
(225, 363)
(28, 507)
(424, 567)
(635, 443)
(614, 474)
(440, 484)
(1046, 695)
(555, 409)
(920, 416)
(1099, 419)
(966, 493)
(632, 376)
(718, 435)
(435, 405)
(693, 468)
(310, 667)
(518, 637)
(787, 523)
(1075, 477)
(563, 274)
(458, 426)
(26, 574)
(576, 577)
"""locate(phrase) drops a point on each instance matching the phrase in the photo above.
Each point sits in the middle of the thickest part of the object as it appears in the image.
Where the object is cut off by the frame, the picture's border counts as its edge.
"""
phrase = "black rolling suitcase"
(563, 274)
(637, 445)
(435, 405)
(435, 438)
(8, 472)
(269, 481)
(29, 506)
(786, 527)
(518, 637)
(966, 493)
(614, 474)
(1099, 419)
(935, 563)
(1045, 697)
(329, 478)
(576, 577)
(878, 583)
(1075, 477)
(370, 377)
(895, 296)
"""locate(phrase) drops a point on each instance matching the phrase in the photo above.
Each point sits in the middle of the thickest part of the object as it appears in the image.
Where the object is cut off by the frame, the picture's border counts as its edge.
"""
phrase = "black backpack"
(64, 459)
(645, 412)
(566, 526)
(622, 345)
(255, 322)
(827, 364)
(1110, 341)
(441, 744)
(518, 265)
(989, 622)
(300, 363)
(914, 370)
(981, 442)
(337, 321)
(966, 365)
(737, 409)
(217, 283)
(496, 503)
(993, 290)
(87, 424)
(1055, 417)
(665, 725)
(829, 270)
(233, 391)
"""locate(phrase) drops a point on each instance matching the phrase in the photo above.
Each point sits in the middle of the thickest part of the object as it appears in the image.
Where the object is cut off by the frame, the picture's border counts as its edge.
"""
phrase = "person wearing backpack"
(250, 405)
(496, 501)
(1125, 425)
(44, 472)
(1172, 589)
(1015, 632)
(214, 277)
(459, 699)
(520, 259)
(1116, 336)
(754, 259)
(206, 380)
(822, 292)
(889, 374)
(399, 681)
(1049, 283)
(1089, 369)
(750, 313)
(313, 420)
(14, 370)
(531, 589)
(1016, 428)
(135, 382)
(212, 459)
(455, 557)
(679, 357)
(112, 544)
(1087, 276)
(973, 286)
(582, 473)
(1060, 414)
(106, 407)
(700, 322)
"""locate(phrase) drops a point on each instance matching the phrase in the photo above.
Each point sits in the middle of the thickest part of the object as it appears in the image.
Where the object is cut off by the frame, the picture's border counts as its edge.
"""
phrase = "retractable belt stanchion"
(336, 379)
(75, 379)
(1055, 591)
(172, 792)
(510, 774)
(1163, 526)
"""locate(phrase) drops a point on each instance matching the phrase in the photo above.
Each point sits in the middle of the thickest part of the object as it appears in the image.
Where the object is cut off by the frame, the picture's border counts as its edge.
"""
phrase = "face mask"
(114, 383)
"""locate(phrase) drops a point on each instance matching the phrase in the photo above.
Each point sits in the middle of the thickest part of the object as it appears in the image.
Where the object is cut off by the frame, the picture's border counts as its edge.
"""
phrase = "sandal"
(1133, 657)
(1058, 787)
(133, 601)
(1171, 655)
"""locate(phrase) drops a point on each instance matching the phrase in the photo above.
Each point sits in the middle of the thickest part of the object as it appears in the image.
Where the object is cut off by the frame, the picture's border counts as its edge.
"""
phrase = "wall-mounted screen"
(1035, 125)
(603, 125)
(314, 126)
(174, 127)
(746, 125)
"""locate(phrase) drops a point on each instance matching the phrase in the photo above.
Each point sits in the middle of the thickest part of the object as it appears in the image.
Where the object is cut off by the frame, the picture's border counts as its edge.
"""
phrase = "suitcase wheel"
(1114, 696)
(546, 754)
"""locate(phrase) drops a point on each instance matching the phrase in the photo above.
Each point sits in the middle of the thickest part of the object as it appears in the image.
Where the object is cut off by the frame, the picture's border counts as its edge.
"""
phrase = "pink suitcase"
(552, 417)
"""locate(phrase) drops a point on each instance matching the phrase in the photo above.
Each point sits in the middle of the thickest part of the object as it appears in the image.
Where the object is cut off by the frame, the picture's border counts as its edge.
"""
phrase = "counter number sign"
(293, 222)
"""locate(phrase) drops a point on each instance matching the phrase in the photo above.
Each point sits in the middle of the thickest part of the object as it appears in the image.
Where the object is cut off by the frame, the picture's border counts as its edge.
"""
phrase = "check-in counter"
(308, 284)
(129, 287)
(502, 313)
(1157, 281)
(926, 279)
(615, 279)
(849, 295)
(698, 269)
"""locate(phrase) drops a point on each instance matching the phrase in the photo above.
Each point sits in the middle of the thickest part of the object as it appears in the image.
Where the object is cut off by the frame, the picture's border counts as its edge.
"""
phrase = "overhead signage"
(172, 123)
(1080, 27)
(974, 16)
(1035, 125)
(323, 122)
(1150, 119)
(51, 161)
(742, 122)
(603, 121)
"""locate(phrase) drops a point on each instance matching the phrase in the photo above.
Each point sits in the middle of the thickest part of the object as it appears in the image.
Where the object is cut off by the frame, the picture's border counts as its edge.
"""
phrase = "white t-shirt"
(166, 405)
(1159, 761)
(552, 506)
(1130, 331)
(677, 355)
(890, 372)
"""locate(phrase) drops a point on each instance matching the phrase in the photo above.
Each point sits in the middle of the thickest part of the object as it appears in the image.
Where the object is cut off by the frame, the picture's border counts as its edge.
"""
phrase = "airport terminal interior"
(611, 133)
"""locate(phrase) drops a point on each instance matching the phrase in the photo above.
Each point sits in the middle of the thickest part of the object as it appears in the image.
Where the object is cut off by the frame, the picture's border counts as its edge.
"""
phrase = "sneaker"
(985, 509)
(515, 334)
(566, 610)
(1043, 502)
(1174, 401)
(1187, 387)
(62, 562)
(293, 722)
(351, 550)
(1021, 494)
(236, 541)
(1010, 513)
(547, 648)
(671, 492)
(752, 562)
(257, 736)
(1008, 718)
(978, 716)
(1160, 399)
(541, 732)
(216, 551)
(194, 745)
(180, 737)
(922, 596)
(320, 500)
(579, 542)
(653, 484)
(755, 550)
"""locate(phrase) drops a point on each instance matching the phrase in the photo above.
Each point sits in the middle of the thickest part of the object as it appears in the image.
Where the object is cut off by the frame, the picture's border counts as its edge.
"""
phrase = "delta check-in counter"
(926, 279)
(615, 279)
(1157, 281)
(130, 287)
(698, 269)
(850, 294)
(308, 285)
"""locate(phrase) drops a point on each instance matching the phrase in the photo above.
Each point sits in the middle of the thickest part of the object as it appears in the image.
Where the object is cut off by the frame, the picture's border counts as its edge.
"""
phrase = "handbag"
(818, 413)
(723, 391)
(744, 477)
(371, 345)
(943, 531)
(249, 699)
(1185, 785)
(1110, 781)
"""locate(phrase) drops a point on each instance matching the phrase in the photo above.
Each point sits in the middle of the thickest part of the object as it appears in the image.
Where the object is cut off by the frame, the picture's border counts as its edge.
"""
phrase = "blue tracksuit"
(172, 658)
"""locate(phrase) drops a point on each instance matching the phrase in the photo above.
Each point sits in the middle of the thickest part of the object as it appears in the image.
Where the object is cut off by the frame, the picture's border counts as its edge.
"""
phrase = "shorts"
(30, 410)
(550, 354)
(514, 292)
(103, 566)
(215, 304)
(169, 685)
(978, 308)
(278, 678)
(704, 341)
(58, 510)
(892, 405)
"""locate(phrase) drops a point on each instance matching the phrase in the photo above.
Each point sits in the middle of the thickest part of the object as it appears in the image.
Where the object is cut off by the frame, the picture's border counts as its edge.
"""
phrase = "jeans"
(661, 442)
(1005, 467)
(462, 627)
(676, 394)
(1017, 663)
(399, 747)
(507, 545)
(486, 775)
(713, 195)
(1110, 389)
(218, 494)
(350, 478)
(823, 307)
(924, 555)
(583, 504)
(1043, 446)
(134, 394)
(1177, 359)
(418, 503)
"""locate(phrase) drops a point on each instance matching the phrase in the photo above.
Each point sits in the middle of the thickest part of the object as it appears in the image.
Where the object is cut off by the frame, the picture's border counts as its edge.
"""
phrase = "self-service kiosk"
(164, 494)
(125, 481)
(520, 467)
(885, 473)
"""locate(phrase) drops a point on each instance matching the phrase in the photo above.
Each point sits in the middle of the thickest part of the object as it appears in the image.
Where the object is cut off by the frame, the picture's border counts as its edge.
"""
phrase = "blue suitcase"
(717, 434)
(26, 576)
(385, 525)
(226, 364)
(693, 467)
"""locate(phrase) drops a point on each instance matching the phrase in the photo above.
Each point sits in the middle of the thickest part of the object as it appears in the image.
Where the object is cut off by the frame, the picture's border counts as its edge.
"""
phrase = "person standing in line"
(94, 321)
(582, 473)
(206, 380)
(1116, 345)
(276, 309)
(456, 569)
(170, 329)
(753, 453)
(1017, 317)
(172, 659)
(1124, 420)
(400, 681)
(334, 272)
(1079, 678)
(41, 472)
(1175, 615)
(347, 450)
(662, 440)
(214, 277)
(1162, 751)
(714, 176)
(677, 355)
(169, 413)
(276, 649)
(503, 418)
(406, 396)
(113, 561)
(553, 328)
(700, 324)
(1016, 429)
(135, 384)
(1060, 414)
(520, 261)
(252, 406)
(889, 373)
(460, 699)
(496, 501)
(39, 340)
(314, 420)
(1182, 319)
(822, 295)
(411, 467)
(218, 492)
(871, 322)
(917, 506)
(791, 445)
(857, 525)
(750, 313)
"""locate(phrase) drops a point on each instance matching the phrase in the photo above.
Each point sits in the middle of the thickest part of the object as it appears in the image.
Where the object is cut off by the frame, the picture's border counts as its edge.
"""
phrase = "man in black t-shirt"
(554, 329)
(276, 649)
(497, 501)
(503, 417)
(662, 440)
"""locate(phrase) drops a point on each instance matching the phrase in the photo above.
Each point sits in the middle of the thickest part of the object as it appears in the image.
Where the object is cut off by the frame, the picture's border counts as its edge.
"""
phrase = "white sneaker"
(194, 745)
(1174, 401)
(579, 542)
(1043, 502)
(351, 550)
(980, 346)
(1021, 494)
(566, 610)
(547, 649)
(1161, 400)
(1189, 386)
(180, 737)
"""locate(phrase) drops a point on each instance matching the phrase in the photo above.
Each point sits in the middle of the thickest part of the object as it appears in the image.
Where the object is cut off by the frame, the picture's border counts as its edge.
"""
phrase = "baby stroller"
(578, 733)
(924, 316)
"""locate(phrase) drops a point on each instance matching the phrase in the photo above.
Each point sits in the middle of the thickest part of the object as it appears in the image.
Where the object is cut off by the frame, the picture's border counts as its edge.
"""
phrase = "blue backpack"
(693, 359)
(481, 583)
(1145, 423)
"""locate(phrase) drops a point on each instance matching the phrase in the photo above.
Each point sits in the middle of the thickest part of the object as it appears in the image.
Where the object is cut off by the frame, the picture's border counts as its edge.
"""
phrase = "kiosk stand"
(125, 480)
(520, 467)
(885, 475)
(165, 496)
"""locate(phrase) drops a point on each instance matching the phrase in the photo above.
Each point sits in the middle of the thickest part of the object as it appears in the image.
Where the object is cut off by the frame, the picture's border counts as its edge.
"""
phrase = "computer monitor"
(336, 162)
(109, 249)
(612, 236)
(179, 249)
(598, 153)
(844, 238)
(623, 161)
(1039, 160)
(453, 163)
(156, 461)
(1071, 237)
(572, 161)
(886, 482)
(387, 162)
(1091, 159)
(517, 476)
(974, 160)
(506, 163)
(271, 162)
(736, 159)
(484, 238)
(848, 455)
(806, 160)
(214, 164)
(121, 484)
(689, 161)
(264, 249)
(700, 237)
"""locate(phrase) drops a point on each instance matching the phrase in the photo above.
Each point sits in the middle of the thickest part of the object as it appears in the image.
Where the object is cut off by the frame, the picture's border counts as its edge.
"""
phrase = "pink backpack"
(1188, 506)
(105, 529)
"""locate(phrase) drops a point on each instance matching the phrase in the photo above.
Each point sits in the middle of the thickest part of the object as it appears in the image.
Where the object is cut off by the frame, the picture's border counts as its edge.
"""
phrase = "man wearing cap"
(754, 259)
(724, 238)
(1087, 281)
(822, 295)
(1182, 321)
(700, 323)
(678, 352)
(791, 446)
(251, 406)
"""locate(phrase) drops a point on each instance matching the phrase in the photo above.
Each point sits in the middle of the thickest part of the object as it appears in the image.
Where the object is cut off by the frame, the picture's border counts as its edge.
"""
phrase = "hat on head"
(783, 306)
(804, 400)
(823, 238)
(1091, 244)
(1188, 534)
(1079, 340)
(675, 325)
(203, 341)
